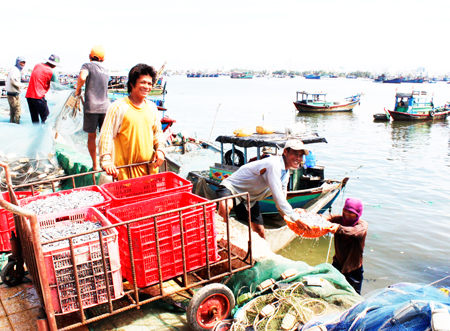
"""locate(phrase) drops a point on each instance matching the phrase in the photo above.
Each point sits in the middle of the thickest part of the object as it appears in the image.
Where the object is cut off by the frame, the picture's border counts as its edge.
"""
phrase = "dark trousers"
(354, 278)
(240, 209)
(38, 108)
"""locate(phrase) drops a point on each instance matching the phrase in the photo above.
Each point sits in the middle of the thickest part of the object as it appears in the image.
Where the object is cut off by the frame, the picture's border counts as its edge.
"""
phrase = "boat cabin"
(311, 98)
(415, 102)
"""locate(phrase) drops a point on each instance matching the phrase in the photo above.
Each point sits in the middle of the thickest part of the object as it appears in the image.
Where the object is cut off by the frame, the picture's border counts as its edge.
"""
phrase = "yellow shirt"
(130, 135)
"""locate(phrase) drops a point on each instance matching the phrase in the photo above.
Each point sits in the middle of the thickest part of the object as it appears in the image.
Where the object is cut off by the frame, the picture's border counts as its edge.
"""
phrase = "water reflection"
(403, 132)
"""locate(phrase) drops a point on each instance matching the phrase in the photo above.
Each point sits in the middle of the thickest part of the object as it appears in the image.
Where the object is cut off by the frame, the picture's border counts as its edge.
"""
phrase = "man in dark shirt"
(96, 98)
(349, 239)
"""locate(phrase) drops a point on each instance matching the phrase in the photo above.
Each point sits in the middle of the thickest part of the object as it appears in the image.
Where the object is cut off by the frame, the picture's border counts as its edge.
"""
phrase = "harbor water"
(400, 170)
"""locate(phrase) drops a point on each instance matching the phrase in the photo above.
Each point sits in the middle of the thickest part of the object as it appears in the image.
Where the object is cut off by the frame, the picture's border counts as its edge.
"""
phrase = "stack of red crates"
(146, 187)
(7, 220)
(164, 198)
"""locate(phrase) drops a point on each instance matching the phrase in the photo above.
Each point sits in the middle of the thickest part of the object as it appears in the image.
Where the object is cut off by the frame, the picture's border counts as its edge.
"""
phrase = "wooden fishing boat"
(2, 86)
(316, 102)
(417, 106)
(417, 80)
(306, 186)
(241, 75)
(396, 80)
(381, 117)
(312, 76)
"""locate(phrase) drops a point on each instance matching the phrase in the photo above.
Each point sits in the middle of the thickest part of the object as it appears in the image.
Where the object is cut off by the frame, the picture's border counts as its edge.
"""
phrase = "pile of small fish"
(58, 203)
(48, 234)
(313, 219)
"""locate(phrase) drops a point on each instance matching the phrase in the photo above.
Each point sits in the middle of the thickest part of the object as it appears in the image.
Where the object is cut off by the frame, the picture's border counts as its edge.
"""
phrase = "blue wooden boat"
(306, 186)
(412, 80)
(380, 79)
(415, 106)
(312, 76)
(396, 80)
(316, 102)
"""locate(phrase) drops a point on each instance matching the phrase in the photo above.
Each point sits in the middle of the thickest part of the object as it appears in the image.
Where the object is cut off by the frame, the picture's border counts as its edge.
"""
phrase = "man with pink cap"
(349, 239)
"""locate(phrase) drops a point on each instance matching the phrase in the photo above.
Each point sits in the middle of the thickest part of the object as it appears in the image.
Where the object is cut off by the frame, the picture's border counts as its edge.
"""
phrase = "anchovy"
(63, 202)
(47, 234)
(314, 219)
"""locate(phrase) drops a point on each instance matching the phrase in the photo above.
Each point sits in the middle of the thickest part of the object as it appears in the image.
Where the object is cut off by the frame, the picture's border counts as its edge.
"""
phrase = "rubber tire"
(238, 154)
(209, 295)
(11, 276)
(432, 113)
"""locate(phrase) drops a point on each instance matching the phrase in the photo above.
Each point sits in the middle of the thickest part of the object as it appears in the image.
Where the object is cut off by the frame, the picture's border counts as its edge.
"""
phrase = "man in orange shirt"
(131, 132)
(38, 87)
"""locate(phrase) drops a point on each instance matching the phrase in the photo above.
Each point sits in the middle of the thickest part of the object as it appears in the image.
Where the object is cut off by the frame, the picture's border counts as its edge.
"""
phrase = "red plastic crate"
(102, 206)
(169, 235)
(146, 187)
(7, 220)
(89, 264)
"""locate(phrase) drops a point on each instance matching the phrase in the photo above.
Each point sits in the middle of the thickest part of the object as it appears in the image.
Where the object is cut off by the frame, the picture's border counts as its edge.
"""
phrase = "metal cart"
(212, 303)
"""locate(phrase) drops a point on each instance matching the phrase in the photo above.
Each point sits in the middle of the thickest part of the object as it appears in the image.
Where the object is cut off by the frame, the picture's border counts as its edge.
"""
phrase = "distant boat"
(396, 80)
(412, 80)
(381, 117)
(351, 77)
(417, 105)
(380, 79)
(312, 76)
(316, 103)
(241, 75)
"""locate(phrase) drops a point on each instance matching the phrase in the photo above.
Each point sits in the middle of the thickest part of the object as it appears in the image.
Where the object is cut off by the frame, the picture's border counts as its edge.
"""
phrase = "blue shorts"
(240, 208)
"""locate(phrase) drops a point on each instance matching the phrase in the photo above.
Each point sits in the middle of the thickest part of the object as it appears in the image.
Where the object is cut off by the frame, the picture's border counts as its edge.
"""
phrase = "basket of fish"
(93, 276)
(88, 196)
(319, 225)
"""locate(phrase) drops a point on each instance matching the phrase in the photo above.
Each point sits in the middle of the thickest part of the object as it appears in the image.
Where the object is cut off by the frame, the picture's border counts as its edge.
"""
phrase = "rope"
(440, 280)
(329, 248)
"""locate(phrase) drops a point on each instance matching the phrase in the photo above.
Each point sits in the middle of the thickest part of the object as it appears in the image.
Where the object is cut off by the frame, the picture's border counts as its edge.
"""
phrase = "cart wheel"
(11, 275)
(212, 304)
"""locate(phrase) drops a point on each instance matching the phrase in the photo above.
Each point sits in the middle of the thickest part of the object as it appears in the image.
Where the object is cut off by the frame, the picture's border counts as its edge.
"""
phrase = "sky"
(338, 35)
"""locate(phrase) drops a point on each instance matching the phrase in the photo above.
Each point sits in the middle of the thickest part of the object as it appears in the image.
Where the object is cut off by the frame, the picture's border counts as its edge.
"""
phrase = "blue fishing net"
(401, 307)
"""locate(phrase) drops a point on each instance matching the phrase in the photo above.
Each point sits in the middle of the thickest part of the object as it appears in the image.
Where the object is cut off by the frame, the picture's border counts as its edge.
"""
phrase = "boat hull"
(393, 81)
(380, 117)
(400, 116)
(305, 108)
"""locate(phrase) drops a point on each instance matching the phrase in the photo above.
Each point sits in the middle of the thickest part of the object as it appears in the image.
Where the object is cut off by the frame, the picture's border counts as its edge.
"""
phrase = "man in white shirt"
(263, 178)
(13, 86)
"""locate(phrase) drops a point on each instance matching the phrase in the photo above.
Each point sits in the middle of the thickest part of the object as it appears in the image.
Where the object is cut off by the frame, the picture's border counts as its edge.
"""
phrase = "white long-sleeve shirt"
(13, 83)
(261, 179)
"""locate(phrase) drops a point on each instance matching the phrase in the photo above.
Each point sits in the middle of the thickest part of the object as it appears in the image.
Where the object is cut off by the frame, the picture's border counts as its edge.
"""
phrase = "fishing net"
(309, 293)
(401, 307)
(69, 119)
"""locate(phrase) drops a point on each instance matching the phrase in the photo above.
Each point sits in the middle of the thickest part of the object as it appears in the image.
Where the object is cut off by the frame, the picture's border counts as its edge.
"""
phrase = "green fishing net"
(309, 293)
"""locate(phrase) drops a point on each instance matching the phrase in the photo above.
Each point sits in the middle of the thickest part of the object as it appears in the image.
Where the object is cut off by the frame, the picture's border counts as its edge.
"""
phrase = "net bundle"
(283, 309)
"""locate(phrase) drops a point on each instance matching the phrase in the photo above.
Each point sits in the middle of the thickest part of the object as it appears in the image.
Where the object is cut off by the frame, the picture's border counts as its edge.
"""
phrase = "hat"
(296, 145)
(355, 206)
(54, 59)
(98, 52)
